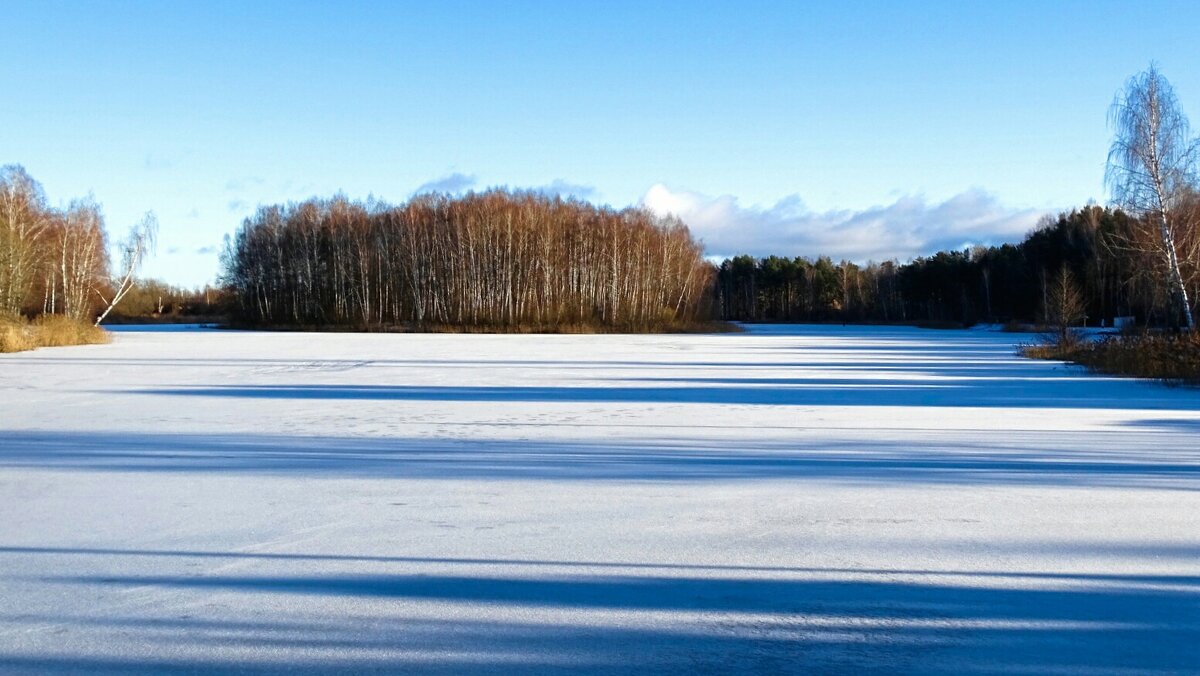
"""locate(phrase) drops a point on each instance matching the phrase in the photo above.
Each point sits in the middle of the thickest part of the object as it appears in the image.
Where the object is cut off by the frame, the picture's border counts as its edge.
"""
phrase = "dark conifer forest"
(1103, 250)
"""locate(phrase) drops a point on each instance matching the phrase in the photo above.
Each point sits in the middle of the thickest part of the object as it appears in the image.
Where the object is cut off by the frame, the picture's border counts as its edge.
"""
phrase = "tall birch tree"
(1151, 170)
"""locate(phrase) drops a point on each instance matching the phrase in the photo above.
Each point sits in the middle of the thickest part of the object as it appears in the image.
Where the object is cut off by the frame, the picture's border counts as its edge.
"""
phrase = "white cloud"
(452, 184)
(906, 228)
(564, 188)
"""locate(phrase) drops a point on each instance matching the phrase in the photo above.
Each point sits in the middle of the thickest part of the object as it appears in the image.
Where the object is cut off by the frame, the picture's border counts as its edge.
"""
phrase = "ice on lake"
(791, 499)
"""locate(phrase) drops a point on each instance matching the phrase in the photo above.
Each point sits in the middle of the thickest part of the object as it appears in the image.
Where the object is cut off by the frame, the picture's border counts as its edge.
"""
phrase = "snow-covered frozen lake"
(792, 499)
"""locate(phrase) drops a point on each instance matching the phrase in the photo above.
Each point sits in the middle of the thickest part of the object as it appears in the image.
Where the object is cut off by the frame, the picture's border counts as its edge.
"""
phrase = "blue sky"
(863, 130)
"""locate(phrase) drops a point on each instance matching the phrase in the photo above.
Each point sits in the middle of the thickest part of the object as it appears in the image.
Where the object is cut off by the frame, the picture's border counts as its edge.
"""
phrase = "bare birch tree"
(1151, 169)
(1066, 307)
(134, 249)
(81, 261)
(24, 218)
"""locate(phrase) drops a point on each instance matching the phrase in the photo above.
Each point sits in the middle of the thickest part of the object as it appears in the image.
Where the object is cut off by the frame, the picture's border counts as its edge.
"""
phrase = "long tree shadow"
(1064, 393)
(1161, 460)
(796, 623)
(1135, 604)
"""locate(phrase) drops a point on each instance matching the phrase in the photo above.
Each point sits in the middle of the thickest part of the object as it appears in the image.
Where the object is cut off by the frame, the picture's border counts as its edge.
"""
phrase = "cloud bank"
(904, 229)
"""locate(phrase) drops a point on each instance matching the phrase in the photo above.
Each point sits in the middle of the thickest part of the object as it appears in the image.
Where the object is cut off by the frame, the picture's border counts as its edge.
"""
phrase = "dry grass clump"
(59, 331)
(15, 336)
(1173, 358)
(18, 334)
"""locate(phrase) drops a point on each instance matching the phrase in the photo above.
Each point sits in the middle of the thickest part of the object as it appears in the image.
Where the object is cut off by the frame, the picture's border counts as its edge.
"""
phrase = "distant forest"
(1104, 250)
(503, 260)
(494, 260)
(522, 260)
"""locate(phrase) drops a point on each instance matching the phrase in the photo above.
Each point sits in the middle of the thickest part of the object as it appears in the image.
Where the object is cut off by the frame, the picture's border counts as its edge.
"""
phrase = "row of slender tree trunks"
(495, 259)
(51, 260)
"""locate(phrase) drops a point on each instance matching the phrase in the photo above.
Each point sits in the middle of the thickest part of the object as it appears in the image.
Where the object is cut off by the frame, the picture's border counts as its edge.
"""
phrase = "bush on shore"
(1173, 358)
(19, 334)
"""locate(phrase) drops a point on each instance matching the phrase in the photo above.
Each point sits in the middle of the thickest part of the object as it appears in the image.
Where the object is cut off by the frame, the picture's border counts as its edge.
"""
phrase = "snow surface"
(793, 499)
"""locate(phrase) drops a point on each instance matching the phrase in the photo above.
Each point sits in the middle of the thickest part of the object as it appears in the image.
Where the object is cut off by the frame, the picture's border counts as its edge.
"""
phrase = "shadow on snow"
(800, 621)
(1167, 459)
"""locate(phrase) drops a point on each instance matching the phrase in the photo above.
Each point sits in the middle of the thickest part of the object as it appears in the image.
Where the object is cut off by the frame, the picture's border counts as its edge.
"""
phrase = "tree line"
(51, 260)
(55, 261)
(1105, 252)
(157, 300)
(497, 259)
(508, 260)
